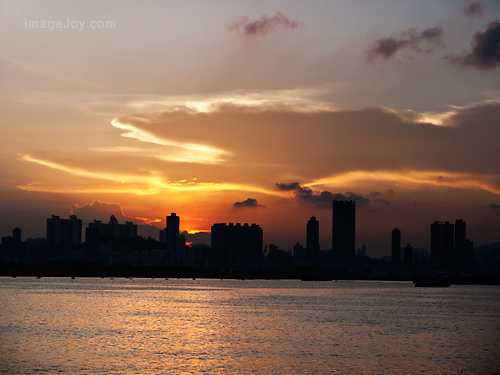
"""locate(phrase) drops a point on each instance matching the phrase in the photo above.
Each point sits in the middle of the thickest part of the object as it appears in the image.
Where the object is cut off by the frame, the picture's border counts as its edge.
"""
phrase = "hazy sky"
(252, 111)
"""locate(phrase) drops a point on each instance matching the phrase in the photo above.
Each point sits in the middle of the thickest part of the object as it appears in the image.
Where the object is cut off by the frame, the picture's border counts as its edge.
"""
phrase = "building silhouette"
(171, 239)
(312, 239)
(11, 247)
(236, 247)
(463, 247)
(114, 229)
(63, 235)
(343, 233)
(408, 257)
(396, 247)
(16, 234)
(442, 245)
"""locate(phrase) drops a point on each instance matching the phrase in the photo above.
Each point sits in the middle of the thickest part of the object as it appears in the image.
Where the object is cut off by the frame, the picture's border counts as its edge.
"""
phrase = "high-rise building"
(298, 251)
(361, 253)
(408, 260)
(463, 247)
(442, 244)
(16, 234)
(343, 233)
(460, 243)
(63, 234)
(114, 229)
(237, 246)
(172, 240)
(64, 231)
(173, 222)
(396, 246)
(312, 238)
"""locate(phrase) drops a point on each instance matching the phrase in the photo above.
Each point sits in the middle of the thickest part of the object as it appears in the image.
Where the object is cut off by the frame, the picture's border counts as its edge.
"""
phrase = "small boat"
(432, 282)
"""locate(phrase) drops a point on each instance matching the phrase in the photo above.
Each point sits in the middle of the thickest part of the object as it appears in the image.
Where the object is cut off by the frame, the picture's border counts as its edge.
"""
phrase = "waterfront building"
(114, 229)
(237, 247)
(343, 233)
(171, 239)
(64, 232)
(312, 239)
(442, 244)
(396, 247)
(408, 257)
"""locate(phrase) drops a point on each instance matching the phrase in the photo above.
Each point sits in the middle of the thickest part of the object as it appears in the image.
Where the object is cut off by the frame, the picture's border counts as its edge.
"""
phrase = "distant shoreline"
(84, 270)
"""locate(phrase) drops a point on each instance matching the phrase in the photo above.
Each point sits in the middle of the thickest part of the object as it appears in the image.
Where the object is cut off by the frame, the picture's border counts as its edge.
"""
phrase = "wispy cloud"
(136, 184)
(485, 52)
(263, 25)
(412, 39)
(190, 152)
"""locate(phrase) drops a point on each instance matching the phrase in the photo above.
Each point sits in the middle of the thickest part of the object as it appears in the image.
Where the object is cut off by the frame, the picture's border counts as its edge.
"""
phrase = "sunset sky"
(252, 111)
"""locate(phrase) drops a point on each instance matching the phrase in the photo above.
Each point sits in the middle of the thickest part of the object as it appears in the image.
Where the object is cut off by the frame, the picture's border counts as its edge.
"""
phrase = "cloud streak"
(188, 152)
(263, 25)
(386, 48)
(485, 51)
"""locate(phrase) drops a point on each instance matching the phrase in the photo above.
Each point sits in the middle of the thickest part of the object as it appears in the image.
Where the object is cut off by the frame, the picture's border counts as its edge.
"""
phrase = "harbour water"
(180, 326)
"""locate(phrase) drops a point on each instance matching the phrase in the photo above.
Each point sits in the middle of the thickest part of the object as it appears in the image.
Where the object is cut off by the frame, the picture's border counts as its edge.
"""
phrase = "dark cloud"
(387, 47)
(485, 52)
(249, 203)
(321, 199)
(288, 187)
(473, 9)
(263, 25)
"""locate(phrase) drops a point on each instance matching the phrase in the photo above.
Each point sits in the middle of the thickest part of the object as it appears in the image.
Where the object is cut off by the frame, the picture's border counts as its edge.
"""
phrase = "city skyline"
(260, 112)
(240, 247)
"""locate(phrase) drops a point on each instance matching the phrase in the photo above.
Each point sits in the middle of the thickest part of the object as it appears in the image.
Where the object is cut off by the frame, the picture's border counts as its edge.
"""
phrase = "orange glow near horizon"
(153, 184)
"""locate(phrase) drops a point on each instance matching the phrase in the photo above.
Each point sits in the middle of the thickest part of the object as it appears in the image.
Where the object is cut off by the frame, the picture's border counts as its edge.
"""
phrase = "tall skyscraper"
(312, 238)
(396, 246)
(173, 222)
(460, 243)
(442, 244)
(408, 261)
(343, 233)
(172, 240)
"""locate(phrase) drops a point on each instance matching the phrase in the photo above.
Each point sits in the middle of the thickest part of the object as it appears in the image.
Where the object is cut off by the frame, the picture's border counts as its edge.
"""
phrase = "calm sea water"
(145, 326)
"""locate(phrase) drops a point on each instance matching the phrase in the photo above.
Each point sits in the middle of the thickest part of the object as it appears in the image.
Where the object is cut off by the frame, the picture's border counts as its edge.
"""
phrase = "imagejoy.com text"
(68, 24)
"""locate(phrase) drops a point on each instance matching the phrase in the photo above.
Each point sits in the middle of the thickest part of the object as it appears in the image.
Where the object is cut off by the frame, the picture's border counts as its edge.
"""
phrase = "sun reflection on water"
(157, 326)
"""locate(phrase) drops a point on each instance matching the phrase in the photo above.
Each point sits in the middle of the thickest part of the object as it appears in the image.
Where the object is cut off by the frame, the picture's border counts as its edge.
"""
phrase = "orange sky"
(205, 112)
